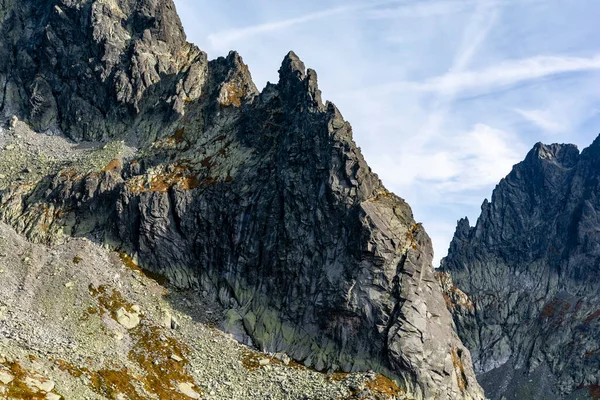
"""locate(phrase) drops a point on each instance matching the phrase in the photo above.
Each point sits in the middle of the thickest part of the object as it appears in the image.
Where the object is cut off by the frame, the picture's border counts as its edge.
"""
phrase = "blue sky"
(444, 95)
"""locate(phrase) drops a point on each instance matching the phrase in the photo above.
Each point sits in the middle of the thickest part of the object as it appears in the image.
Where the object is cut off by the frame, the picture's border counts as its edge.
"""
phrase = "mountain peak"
(530, 266)
(292, 67)
(562, 154)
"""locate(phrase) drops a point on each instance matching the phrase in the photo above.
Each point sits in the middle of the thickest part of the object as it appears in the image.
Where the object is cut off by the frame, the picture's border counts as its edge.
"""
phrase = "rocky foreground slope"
(261, 200)
(530, 268)
(80, 322)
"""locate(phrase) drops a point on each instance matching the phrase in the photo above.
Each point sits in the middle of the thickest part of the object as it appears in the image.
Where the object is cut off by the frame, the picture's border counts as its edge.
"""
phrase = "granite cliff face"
(527, 294)
(261, 200)
(97, 69)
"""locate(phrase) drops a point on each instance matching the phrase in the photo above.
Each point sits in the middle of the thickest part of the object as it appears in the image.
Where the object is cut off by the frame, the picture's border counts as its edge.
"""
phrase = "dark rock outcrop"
(262, 200)
(531, 272)
(97, 69)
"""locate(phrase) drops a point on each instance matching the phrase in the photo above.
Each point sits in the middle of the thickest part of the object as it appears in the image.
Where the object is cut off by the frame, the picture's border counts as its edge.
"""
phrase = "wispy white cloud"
(482, 156)
(226, 38)
(474, 35)
(511, 73)
(503, 74)
(405, 9)
(465, 161)
(424, 9)
(544, 119)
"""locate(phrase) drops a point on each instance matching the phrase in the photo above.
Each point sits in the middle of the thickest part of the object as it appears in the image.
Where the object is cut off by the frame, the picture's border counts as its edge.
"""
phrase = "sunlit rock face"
(530, 268)
(260, 199)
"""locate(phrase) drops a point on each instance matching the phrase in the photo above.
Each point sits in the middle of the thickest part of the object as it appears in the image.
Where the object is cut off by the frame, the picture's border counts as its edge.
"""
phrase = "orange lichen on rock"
(251, 361)
(411, 236)
(69, 173)
(449, 304)
(106, 382)
(179, 176)
(231, 95)
(461, 377)
(163, 360)
(129, 263)
(591, 354)
(18, 387)
(454, 297)
(594, 391)
(179, 136)
(113, 166)
(381, 195)
(593, 316)
(159, 361)
(338, 376)
(385, 386)
(207, 162)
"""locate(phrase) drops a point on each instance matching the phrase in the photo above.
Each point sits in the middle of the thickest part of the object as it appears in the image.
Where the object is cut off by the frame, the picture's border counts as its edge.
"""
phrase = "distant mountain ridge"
(528, 277)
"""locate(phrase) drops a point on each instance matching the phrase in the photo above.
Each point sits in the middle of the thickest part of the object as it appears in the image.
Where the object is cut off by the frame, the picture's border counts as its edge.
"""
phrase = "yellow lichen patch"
(129, 263)
(163, 360)
(461, 377)
(231, 95)
(411, 236)
(338, 377)
(453, 296)
(251, 361)
(77, 260)
(114, 165)
(18, 388)
(384, 386)
(160, 362)
(180, 177)
(179, 136)
(110, 301)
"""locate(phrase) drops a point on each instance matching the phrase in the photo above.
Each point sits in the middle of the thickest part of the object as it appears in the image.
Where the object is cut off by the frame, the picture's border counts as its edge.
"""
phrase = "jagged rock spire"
(530, 265)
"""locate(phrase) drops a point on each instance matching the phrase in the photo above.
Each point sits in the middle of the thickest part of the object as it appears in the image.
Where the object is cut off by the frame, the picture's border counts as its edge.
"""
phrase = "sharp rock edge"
(527, 300)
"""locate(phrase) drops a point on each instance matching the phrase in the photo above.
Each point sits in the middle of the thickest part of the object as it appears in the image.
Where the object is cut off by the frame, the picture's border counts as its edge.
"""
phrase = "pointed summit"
(564, 154)
(293, 67)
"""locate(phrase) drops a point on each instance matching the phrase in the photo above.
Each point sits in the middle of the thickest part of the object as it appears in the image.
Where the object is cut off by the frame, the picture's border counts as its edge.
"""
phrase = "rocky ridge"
(525, 294)
(260, 199)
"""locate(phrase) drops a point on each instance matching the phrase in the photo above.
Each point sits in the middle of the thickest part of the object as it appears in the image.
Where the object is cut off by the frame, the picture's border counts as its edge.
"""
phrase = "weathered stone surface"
(6, 377)
(188, 390)
(129, 320)
(261, 200)
(530, 268)
(97, 69)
